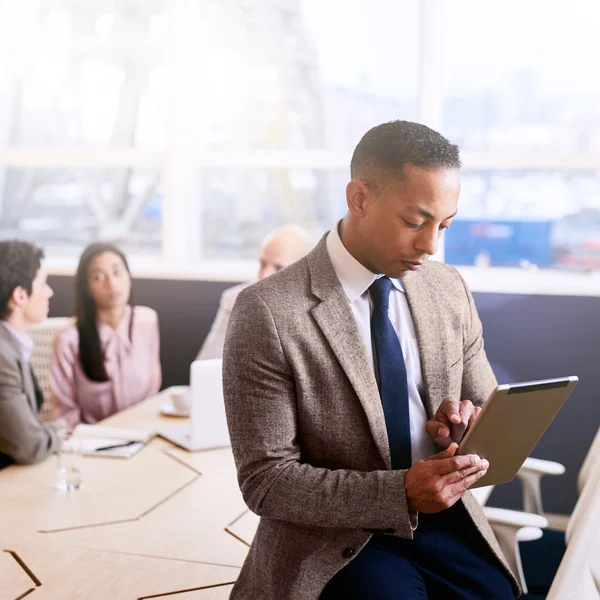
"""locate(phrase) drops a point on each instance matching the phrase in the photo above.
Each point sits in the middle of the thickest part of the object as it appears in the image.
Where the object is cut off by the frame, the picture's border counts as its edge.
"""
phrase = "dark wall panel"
(186, 310)
(539, 337)
(527, 337)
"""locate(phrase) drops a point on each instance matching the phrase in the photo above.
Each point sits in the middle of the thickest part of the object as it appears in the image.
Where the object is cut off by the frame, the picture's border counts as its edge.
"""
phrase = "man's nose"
(428, 242)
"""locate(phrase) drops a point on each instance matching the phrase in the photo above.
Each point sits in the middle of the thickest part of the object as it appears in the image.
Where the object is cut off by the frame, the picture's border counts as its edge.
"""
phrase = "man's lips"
(413, 265)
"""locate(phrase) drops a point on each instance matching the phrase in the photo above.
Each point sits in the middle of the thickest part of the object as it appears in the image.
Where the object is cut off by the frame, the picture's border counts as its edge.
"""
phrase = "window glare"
(188, 129)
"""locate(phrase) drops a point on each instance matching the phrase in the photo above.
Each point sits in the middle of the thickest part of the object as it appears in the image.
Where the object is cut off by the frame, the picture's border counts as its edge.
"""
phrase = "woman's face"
(109, 282)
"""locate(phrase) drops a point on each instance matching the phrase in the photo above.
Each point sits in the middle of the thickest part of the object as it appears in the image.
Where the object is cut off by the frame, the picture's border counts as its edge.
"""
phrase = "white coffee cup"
(180, 398)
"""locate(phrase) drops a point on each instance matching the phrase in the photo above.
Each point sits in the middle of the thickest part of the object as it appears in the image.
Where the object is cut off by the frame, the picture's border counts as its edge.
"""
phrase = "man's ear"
(357, 195)
(18, 298)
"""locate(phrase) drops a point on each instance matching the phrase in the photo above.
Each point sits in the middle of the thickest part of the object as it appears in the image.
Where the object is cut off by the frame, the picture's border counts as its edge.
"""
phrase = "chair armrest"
(541, 466)
(510, 527)
(514, 518)
(529, 474)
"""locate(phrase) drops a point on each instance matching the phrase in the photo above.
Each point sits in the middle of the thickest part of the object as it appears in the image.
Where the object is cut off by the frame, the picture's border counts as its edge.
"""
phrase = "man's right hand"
(437, 482)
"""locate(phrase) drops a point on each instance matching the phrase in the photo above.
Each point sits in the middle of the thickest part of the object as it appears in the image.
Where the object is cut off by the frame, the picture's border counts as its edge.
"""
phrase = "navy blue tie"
(393, 385)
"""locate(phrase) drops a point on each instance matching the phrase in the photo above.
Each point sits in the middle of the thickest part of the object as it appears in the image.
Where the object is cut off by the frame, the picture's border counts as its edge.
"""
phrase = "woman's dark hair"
(91, 354)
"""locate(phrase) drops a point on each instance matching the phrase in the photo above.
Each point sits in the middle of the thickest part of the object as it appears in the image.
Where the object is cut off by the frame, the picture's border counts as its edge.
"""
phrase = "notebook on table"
(99, 440)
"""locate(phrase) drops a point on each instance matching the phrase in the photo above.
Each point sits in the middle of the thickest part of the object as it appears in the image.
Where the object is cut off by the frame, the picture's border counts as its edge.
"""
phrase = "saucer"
(170, 411)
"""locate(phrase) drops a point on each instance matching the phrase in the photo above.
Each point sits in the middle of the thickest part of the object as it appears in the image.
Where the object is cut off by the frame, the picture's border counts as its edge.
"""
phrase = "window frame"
(179, 162)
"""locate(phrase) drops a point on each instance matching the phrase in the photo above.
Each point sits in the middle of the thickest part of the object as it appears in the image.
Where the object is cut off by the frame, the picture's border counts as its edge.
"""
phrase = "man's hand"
(451, 421)
(437, 482)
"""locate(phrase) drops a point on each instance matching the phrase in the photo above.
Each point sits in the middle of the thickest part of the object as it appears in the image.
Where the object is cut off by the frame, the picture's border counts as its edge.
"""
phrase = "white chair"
(43, 337)
(578, 577)
(510, 528)
(534, 469)
(589, 463)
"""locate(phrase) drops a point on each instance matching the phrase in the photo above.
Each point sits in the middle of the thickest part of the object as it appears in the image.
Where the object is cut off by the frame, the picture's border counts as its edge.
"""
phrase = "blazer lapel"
(28, 386)
(10, 347)
(431, 337)
(335, 319)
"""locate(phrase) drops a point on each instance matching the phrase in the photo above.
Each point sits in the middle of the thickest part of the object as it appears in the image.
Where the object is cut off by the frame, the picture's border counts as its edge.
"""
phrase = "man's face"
(399, 230)
(37, 304)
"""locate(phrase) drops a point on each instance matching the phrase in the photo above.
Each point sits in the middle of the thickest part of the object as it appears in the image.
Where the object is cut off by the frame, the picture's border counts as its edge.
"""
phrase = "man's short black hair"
(383, 152)
(19, 263)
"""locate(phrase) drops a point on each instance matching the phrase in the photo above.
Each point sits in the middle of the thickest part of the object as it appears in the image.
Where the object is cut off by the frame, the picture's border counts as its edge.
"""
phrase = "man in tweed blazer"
(305, 400)
(24, 301)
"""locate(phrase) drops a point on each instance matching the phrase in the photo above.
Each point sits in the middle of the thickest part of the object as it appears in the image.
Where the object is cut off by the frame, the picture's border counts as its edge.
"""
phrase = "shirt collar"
(25, 342)
(108, 334)
(354, 276)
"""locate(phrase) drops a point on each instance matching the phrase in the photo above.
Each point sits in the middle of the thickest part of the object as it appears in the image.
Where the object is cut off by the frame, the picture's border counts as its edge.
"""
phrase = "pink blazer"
(133, 368)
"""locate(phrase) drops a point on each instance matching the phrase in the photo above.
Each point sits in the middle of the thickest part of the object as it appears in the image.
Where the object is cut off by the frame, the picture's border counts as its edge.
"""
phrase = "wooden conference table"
(165, 523)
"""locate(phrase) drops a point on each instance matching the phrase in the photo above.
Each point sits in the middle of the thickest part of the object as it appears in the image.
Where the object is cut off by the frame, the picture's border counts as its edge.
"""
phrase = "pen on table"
(123, 445)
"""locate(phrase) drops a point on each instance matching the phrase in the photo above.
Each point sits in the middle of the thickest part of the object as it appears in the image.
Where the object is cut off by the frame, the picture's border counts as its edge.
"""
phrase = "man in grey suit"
(24, 301)
(280, 248)
(348, 379)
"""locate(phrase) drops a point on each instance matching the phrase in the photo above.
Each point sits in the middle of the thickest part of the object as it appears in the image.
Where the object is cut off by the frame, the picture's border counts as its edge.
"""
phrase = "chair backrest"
(578, 577)
(592, 459)
(42, 335)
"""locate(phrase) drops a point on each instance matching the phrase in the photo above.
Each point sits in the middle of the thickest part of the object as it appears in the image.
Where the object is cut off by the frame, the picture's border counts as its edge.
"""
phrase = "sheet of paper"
(87, 439)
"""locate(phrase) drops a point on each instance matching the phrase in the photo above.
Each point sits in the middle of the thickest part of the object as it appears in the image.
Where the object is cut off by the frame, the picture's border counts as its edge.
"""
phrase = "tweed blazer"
(23, 438)
(307, 425)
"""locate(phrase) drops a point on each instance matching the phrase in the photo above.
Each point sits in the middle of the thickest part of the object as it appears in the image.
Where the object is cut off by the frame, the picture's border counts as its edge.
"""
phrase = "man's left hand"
(451, 421)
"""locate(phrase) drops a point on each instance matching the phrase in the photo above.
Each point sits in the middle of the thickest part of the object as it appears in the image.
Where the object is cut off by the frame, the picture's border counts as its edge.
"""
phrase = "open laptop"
(207, 427)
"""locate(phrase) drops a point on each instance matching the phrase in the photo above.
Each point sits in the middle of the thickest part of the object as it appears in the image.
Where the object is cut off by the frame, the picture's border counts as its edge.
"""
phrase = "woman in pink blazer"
(109, 358)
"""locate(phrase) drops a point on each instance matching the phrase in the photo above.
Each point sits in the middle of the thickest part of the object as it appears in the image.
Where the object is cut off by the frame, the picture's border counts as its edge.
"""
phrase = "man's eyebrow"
(428, 215)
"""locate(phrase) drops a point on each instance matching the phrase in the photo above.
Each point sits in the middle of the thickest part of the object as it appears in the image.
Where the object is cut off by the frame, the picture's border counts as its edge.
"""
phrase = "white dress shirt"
(356, 280)
(25, 342)
(215, 340)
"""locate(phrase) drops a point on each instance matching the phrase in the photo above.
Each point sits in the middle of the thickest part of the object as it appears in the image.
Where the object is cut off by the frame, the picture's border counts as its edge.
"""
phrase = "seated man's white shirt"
(25, 341)
(356, 280)
(215, 340)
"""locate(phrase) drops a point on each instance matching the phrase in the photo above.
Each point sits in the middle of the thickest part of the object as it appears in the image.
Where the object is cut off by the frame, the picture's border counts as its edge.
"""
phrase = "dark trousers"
(447, 560)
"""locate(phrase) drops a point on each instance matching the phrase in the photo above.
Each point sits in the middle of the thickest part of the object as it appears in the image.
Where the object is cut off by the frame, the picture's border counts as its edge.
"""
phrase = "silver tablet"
(512, 422)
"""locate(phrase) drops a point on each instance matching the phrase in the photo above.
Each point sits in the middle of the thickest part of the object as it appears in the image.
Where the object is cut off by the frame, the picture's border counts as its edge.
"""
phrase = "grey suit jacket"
(307, 425)
(23, 438)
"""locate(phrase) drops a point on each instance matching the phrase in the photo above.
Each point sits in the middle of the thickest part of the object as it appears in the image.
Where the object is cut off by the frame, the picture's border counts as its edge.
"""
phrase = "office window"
(83, 74)
(186, 129)
(261, 200)
(274, 75)
(367, 58)
(521, 75)
(524, 218)
(521, 99)
(64, 209)
(189, 128)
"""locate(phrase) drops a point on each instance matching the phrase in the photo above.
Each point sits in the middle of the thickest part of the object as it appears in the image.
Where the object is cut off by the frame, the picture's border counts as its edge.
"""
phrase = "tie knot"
(380, 292)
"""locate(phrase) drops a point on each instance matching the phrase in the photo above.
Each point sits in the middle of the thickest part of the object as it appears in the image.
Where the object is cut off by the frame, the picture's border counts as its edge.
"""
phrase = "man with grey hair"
(280, 248)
